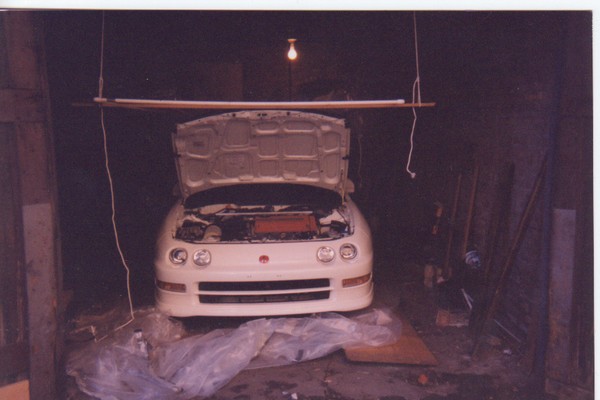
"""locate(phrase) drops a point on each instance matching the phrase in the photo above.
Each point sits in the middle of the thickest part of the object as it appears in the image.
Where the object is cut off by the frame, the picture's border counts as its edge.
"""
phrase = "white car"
(265, 225)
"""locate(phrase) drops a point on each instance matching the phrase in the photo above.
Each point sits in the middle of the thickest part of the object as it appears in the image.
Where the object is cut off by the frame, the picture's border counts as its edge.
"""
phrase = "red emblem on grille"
(263, 259)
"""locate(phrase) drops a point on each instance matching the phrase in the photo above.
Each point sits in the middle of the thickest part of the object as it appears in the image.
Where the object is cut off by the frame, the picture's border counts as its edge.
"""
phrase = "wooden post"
(25, 109)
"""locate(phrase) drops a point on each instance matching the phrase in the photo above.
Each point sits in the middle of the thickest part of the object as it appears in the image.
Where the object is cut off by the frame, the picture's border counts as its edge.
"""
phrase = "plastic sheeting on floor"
(152, 358)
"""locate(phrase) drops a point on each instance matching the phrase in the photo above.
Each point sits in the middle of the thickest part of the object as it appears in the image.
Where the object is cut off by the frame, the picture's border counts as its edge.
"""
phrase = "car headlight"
(178, 256)
(348, 251)
(202, 257)
(325, 254)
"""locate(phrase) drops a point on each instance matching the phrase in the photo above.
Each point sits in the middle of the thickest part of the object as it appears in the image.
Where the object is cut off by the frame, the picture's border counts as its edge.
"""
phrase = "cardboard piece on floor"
(15, 391)
(408, 349)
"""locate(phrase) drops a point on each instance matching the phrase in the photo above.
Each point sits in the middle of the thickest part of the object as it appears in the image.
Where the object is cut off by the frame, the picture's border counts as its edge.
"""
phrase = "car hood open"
(262, 147)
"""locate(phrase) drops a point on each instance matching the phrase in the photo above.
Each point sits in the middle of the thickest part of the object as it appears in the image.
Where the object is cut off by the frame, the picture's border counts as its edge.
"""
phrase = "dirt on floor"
(497, 373)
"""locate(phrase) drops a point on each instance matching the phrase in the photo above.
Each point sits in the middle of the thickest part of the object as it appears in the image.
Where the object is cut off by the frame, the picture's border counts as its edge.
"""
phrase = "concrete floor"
(495, 374)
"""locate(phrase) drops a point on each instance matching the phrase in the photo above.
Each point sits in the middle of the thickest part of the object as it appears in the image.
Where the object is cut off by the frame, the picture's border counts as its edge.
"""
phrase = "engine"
(262, 224)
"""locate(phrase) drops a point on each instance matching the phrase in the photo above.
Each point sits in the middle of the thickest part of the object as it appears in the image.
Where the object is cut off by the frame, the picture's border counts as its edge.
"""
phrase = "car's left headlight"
(348, 251)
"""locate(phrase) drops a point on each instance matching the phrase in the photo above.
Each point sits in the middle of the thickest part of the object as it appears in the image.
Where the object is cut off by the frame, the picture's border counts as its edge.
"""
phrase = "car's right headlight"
(178, 256)
(202, 258)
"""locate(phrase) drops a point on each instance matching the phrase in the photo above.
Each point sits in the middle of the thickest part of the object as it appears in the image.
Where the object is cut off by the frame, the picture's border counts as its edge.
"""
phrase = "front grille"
(262, 298)
(281, 291)
(262, 286)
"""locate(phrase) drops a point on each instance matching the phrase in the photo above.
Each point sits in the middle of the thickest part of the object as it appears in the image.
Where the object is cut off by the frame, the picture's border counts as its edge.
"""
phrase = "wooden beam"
(40, 230)
(251, 105)
(21, 105)
(26, 96)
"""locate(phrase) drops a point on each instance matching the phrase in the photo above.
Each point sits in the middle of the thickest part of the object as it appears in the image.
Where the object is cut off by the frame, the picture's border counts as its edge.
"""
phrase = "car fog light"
(202, 258)
(178, 256)
(325, 254)
(356, 281)
(348, 251)
(171, 287)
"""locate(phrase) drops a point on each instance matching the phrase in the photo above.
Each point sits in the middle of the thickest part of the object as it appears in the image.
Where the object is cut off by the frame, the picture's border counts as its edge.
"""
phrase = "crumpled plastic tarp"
(170, 365)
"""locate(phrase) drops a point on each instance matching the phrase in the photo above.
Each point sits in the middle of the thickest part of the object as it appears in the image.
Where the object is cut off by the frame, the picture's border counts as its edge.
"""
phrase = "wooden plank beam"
(40, 230)
(26, 96)
(258, 105)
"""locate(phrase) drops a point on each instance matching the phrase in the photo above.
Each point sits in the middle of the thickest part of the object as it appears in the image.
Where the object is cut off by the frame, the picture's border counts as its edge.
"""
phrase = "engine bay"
(233, 223)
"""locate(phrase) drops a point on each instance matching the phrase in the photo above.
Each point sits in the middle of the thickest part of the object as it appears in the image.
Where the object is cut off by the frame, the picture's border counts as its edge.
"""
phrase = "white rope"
(416, 92)
(114, 224)
(101, 77)
(111, 186)
(418, 80)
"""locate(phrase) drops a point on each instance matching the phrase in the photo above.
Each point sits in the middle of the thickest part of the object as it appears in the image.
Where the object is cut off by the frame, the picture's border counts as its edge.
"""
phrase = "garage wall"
(570, 345)
(526, 104)
(520, 92)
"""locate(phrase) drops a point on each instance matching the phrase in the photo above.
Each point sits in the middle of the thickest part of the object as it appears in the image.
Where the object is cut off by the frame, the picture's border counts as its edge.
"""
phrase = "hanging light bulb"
(292, 53)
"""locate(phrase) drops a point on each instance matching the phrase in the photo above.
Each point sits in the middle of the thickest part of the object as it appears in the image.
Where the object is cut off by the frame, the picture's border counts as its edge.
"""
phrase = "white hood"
(262, 147)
